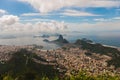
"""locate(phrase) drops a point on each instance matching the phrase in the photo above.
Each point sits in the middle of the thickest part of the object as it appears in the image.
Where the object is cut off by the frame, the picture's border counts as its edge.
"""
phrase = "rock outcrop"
(61, 40)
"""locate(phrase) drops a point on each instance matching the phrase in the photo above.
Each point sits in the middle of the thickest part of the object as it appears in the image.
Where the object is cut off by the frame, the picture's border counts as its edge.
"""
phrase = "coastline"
(44, 47)
(65, 60)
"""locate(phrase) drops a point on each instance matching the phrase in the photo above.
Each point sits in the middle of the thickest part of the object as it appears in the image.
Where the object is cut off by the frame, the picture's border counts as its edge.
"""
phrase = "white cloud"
(2, 11)
(117, 18)
(95, 27)
(52, 26)
(102, 19)
(77, 13)
(11, 24)
(36, 14)
(8, 19)
(36, 20)
(107, 19)
(67, 12)
(30, 14)
(45, 6)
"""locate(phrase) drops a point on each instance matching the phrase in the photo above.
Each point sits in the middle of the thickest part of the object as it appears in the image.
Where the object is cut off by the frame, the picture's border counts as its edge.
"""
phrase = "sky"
(34, 16)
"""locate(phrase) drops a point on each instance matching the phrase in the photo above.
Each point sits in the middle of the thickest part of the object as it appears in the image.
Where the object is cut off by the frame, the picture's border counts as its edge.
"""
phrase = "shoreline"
(33, 45)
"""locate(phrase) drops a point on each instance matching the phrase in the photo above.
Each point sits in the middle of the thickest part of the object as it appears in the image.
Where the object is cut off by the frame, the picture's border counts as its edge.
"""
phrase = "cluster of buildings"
(70, 60)
(7, 51)
(75, 59)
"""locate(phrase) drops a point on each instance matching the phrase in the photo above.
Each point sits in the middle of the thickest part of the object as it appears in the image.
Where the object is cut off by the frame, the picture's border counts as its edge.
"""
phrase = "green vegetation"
(82, 75)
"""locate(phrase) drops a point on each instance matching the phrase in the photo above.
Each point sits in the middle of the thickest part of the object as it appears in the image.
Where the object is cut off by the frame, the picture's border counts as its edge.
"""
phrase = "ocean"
(71, 37)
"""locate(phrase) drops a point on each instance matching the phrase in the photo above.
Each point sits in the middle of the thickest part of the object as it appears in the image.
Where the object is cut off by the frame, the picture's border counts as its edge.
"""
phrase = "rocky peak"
(61, 40)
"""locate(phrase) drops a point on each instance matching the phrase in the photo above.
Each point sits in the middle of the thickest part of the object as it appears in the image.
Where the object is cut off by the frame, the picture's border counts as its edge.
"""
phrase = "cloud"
(31, 14)
(36, 20)
(52, 26)
(45, 6)
(35, 14)
(102, 19)
(11, 24)
(2, 11)
(8, 19)
(107, 19)
(66, 12)
(76, 13)
(116, 18)
(95, 27)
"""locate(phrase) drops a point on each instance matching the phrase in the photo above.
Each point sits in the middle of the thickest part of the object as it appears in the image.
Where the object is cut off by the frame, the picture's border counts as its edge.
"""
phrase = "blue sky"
(75, 12)
(18, 8)
(14, 7)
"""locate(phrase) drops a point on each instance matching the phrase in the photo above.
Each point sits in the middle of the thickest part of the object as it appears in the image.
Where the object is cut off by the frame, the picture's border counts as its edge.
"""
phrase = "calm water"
(72, 37)
(29, 41)
(106, 40)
